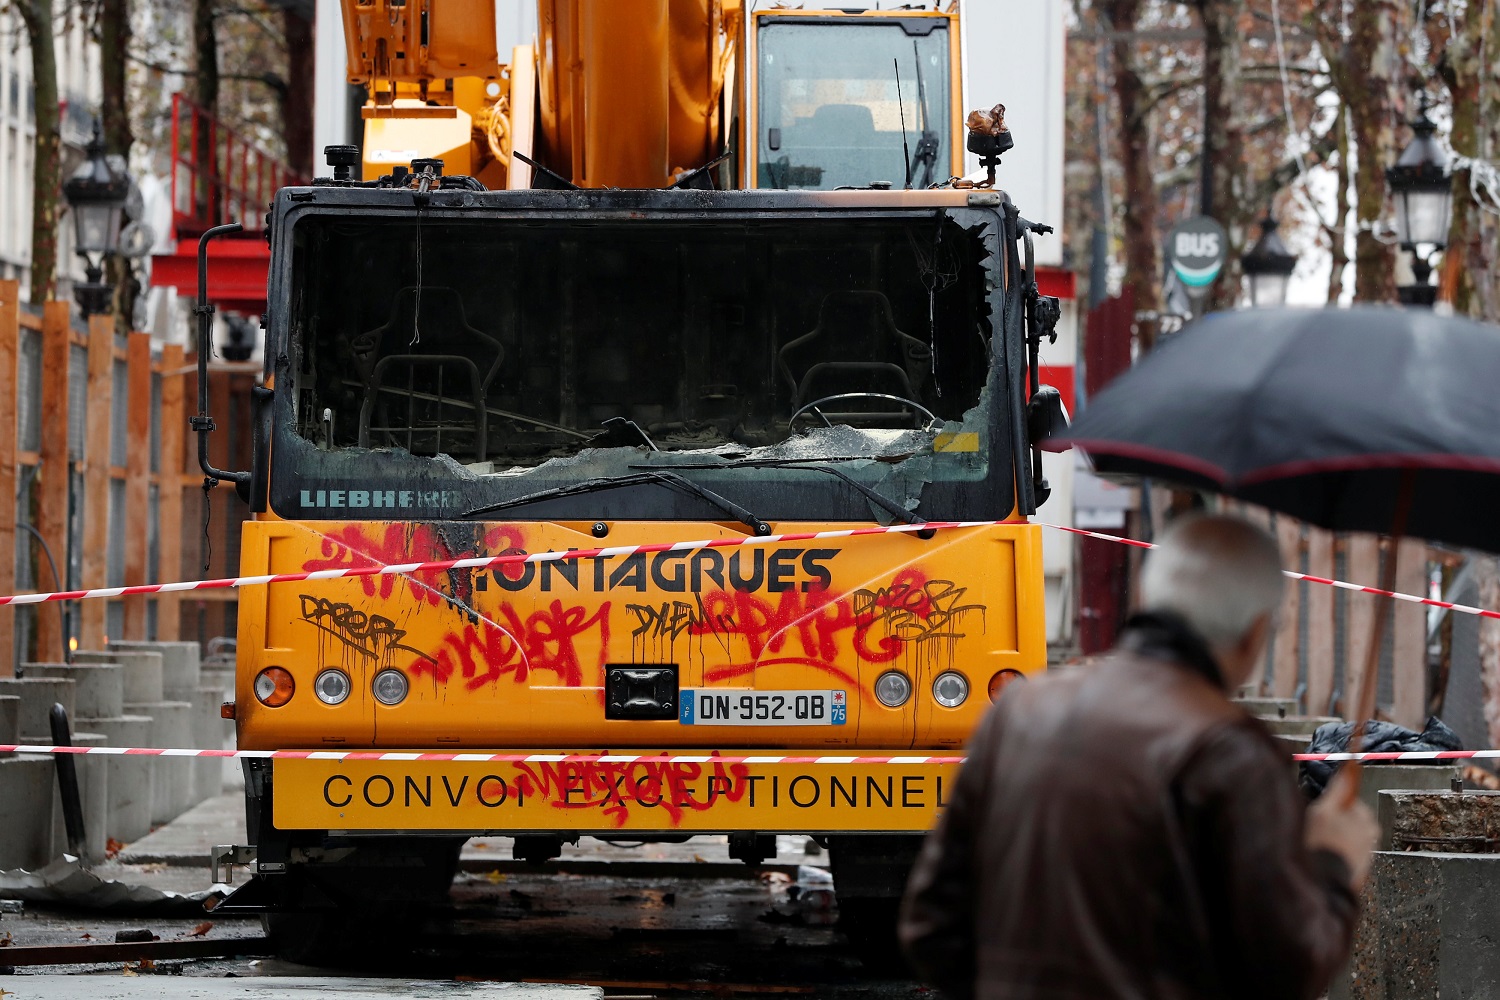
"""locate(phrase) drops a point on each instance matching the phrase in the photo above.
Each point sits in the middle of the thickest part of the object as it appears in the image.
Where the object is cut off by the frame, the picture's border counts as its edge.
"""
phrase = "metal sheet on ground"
(595, 795)
(204, 988)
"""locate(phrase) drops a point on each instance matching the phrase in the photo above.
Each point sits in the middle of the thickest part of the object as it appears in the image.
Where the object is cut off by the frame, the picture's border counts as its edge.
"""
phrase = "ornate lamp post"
(1268, 266)
(96, 196)
(1423, 190)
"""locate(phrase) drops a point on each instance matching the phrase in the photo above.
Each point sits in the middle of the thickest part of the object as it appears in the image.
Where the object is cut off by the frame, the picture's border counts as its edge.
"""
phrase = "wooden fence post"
(52, 482)
(1409, 637)
(10, 348)
(96, 436)
(1364, 568)
(1320, 665)
(1284, 680)
(169, 490)
(137, 479)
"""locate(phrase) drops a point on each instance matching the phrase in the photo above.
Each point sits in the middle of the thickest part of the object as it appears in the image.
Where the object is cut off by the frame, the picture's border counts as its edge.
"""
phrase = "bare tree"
(1141, 233)
(1224, 189)
(46, 176)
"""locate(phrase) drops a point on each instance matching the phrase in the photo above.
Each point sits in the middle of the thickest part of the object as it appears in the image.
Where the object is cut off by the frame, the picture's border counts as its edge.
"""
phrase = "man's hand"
(1339, 822)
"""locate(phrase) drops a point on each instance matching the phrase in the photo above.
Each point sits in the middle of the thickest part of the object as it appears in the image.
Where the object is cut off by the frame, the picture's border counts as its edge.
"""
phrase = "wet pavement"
(663, 920)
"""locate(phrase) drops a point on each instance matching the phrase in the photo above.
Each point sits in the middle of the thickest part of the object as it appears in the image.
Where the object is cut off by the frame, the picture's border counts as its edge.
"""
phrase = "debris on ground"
(66, 882)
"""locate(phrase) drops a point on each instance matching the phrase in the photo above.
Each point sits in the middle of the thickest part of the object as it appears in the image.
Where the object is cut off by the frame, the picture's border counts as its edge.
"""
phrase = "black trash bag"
(1380, 737)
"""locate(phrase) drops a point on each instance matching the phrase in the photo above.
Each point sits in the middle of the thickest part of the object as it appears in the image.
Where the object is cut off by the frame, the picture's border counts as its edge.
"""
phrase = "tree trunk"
(1469, 278)
(1371, 71)
(114, 39)
(1225, 190)
(46, 175)
(1142, 266)
(1338, 234)
(206, 96)
(298, 116)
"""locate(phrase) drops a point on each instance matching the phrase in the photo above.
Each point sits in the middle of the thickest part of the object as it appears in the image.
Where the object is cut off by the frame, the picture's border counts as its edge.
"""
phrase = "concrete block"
(26, 782)
(1427, 929)
(1297, 725)
(38, 695)
(1379, 778)
(208, 734)
(98, 688)
(1460, 822)
(1268, 708)
(127, 814)
(143, 672)
(10, 719)
(93, 796)
(222, 680)
(179, 663)
(172, 787)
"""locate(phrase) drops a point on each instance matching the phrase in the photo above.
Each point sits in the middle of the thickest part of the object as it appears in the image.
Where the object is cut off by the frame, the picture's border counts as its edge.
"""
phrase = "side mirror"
(1046, 417)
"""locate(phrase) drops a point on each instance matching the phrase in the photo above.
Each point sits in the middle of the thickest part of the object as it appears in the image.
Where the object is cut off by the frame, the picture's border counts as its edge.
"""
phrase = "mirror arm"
(201, 422)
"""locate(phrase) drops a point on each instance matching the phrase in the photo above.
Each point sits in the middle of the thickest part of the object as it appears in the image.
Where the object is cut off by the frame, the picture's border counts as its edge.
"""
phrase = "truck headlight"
(892, 688)
(331, 686)
(389, 687)
(950, 689)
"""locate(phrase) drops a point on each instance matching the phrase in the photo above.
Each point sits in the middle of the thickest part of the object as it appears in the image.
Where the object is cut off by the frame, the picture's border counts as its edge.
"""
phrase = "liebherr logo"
(380, 499)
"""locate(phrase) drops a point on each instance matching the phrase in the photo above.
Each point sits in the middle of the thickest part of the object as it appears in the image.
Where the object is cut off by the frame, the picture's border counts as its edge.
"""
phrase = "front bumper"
(469, 793)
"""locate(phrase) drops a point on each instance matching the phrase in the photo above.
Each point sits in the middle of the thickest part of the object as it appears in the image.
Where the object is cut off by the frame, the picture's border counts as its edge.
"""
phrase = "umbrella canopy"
(1323, 414)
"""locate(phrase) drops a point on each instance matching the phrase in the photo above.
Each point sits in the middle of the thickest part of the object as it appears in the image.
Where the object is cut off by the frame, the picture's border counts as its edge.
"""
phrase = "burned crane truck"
(788, 320)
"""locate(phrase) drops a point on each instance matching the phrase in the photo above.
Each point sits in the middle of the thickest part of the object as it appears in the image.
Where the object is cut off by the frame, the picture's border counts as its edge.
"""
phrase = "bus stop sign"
(1197, 248)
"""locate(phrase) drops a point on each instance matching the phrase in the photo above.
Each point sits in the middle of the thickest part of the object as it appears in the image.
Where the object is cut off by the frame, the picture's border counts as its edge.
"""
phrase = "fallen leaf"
(700, 859)
(5, 940)
(495, 877)
(201, 929)
(112, 847)
(86, 937)
(145, 965)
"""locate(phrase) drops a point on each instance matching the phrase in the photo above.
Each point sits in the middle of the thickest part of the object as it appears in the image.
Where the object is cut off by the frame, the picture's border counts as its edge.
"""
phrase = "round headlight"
(331, 686)
(892, 688)
(274, 687)
(389, 687)
(950, 689)
(1001, 679)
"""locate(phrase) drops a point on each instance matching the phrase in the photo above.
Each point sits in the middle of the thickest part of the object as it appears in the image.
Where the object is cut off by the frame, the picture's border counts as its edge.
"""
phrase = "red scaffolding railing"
(218, 175)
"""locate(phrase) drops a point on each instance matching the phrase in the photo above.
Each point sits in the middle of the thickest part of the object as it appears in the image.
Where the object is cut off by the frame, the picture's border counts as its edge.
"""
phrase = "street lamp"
(96, 196)
(1268, 266)
(1423, 189)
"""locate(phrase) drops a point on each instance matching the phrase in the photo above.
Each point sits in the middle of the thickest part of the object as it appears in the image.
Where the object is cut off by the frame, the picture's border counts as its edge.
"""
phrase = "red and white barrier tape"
(492, 562)
(485, 562)
(1342, 585)
(614, 758)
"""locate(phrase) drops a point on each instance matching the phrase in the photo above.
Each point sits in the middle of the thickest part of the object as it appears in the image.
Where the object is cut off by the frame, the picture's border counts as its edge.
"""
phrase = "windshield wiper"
(885, 503)
(662, 477)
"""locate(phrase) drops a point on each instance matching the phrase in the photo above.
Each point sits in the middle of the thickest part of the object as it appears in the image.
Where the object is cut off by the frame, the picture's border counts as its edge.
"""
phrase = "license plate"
(718, 707)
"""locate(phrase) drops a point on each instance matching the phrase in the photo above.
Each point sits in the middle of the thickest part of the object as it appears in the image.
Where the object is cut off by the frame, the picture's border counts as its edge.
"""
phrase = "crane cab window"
(833, 95)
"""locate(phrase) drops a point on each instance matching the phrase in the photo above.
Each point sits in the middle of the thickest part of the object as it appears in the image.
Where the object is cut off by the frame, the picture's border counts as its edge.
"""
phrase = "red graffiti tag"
(360, 546)
(546, 639)
(622, 788)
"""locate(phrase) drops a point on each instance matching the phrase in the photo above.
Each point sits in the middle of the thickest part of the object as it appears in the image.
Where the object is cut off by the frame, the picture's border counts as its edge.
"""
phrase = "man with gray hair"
(1126, 831)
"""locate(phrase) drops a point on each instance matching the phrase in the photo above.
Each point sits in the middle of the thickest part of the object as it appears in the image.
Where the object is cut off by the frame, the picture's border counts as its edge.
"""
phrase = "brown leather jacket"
(1122, 832)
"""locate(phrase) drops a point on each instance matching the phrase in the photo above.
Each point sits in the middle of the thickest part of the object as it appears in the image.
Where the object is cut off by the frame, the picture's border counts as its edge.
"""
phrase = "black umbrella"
(1366, 419)
(1327, 415)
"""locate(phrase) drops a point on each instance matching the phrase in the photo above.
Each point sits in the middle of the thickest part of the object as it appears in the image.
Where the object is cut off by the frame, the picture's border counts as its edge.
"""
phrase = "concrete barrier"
(98, 688)
(1428, 929)
(143, 672)
(26, 782)
(208, 734)
(1377, 781)
(179, 664)
(38, 695)
(127, 814)
(172, 787)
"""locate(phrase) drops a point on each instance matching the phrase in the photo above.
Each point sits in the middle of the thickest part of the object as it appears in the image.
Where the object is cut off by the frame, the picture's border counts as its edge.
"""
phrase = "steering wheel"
(813, 406)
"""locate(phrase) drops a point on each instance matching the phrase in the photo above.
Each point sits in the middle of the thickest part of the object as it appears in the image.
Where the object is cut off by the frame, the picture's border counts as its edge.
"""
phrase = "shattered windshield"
(515, 357)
